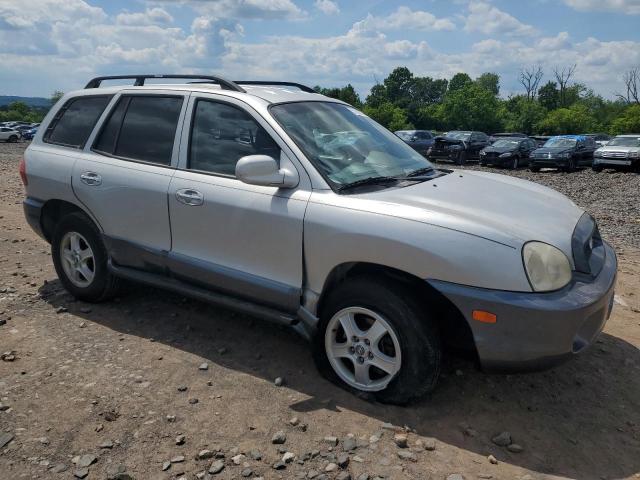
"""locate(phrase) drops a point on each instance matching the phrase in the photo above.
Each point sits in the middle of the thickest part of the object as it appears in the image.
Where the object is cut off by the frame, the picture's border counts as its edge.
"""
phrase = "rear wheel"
(571, 165)
(80, 259)
(12, 139)
(373, 338)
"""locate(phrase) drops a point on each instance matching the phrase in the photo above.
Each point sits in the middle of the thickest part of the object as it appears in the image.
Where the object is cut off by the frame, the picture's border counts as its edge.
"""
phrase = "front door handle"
(91, 178)
(189, 196)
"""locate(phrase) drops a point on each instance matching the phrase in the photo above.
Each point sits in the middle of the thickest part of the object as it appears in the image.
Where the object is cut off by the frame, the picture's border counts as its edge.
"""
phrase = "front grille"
(614, 154)
(491, 154)
(587, 246)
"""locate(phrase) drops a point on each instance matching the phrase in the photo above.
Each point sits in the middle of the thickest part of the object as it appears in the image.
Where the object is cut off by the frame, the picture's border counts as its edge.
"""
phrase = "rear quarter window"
(74, 122)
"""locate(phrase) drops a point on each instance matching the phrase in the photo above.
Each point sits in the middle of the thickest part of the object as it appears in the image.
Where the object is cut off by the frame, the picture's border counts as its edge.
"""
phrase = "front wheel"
(462, 158)
(373, 338)
(12, 139)
(80, 259)
(515, 163)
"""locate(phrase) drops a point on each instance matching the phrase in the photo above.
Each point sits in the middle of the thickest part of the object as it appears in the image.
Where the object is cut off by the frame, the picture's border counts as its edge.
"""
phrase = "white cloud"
(151, 16)
(404, 19)
(327, 7)
(489, 20)
(253, 9)
(631, 7)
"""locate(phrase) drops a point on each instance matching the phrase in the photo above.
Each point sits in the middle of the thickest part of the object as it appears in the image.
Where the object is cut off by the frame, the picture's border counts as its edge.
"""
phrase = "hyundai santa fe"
(298, 209)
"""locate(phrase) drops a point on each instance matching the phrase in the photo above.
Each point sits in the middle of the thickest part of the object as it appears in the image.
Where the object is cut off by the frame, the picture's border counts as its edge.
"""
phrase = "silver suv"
(299, 209)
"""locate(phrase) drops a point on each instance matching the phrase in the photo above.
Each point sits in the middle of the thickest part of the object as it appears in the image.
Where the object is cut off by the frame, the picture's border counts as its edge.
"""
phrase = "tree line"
(404, 101)
(21, 112)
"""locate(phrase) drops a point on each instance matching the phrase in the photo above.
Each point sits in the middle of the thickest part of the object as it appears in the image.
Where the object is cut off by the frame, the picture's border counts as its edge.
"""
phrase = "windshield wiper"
(368, 181)
(420, 171)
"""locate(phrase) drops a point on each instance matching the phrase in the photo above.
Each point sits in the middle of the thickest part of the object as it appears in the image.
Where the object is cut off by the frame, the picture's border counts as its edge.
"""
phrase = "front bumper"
(534, 331)
(553, 162)
(496, 161)
(616, 162)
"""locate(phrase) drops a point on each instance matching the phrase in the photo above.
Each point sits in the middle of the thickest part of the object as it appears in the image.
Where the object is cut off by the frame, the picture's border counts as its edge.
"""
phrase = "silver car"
(621, 152)
(299, 209)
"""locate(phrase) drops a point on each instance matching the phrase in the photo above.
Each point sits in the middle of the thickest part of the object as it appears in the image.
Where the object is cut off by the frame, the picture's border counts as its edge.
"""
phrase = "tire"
(515, 164)
(78, 229)
(462, 158)
(12, 139)
(596, 168)
(411, 338)
(534, 168)
(571, 165)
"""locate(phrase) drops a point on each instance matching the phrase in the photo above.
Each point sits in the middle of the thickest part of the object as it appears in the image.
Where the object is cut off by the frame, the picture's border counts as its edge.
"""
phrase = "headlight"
(565, 155)
(505, 155)
(597, 154)
(482, 153)
(546, 266)
(635, 154)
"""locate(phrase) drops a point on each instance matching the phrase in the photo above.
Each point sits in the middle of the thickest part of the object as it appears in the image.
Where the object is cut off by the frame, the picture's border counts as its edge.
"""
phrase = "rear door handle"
(189, 196)
(91, 178)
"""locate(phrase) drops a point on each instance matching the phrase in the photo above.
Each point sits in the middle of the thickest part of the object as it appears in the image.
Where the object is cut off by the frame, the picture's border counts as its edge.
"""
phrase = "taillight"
(23, 172)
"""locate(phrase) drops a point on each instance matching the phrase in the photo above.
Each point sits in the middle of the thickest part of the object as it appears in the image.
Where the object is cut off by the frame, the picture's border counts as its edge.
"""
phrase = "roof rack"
(140, 79)
(304, 88)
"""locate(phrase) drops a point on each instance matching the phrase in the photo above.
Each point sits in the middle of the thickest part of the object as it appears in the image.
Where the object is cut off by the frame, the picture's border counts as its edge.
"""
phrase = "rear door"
(123, 176)
(244, 240)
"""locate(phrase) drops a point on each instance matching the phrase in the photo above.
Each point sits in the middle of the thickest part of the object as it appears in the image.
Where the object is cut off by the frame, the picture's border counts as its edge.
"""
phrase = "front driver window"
(221, 134)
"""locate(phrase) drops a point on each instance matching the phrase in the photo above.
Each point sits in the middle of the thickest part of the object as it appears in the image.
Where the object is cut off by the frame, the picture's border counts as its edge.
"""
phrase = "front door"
(123, 179)
(244, 240)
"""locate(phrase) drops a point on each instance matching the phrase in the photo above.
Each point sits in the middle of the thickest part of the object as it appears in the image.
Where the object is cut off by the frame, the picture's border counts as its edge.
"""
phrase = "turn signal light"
(23, 171)
(484, 317)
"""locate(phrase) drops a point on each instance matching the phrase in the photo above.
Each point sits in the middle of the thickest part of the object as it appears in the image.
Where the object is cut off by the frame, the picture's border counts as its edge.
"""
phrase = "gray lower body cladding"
(535, 331)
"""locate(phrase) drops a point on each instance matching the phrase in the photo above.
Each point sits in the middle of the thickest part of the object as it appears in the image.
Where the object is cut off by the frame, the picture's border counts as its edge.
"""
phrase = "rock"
(180, 439)
(204, 454)
(81, 473)
(343, 476)
(59, 468)
(312, 474)
(255, 455)
(279, 465)
(82, 325)
(118, 472)
(358, 458)
(177, 459)
(2, 322)
(503, 439)
(193, 401)
(278, 382)
(429, 444)
(294, 421)
(246, 473)
(237, 459)
(182, 388)
(401, 440)
(203, 366)
(407, 455)
(331, 467)
(515, 448)
(455, 476)
(63, 310)
(110, 416)
(333, 441)
(343, 460)
(107, 444)
(363, 476)
(279, 438)
(492, 459)
(288, 457)
(171, 418)
(216, 467)
(485, 476)
(166, 466)
(349, 444)
(85, 460)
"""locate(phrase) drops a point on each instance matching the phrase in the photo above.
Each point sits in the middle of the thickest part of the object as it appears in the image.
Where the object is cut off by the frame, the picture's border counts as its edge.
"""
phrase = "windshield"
(405, 135)
(459, 135)
(506, 143)
(624, 142)
(561, 142)
(345, 144)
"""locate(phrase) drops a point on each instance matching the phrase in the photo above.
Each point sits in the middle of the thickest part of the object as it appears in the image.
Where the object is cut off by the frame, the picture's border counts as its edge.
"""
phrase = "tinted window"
(424, 135)
(107, 139)
(222, 134)
(74, 122)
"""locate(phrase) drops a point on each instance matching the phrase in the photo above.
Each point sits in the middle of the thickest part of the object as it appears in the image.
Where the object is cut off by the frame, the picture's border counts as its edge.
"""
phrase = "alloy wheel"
(77, 259)
(362, 348)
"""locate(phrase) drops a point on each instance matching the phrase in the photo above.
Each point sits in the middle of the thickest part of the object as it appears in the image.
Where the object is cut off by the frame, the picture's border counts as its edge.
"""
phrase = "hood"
(492, 206)
(618, 148)
(492, 149)
(552, 150)
(452, 141)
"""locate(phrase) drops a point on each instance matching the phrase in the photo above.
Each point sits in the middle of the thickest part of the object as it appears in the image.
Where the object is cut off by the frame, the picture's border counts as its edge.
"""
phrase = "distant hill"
(37, 102)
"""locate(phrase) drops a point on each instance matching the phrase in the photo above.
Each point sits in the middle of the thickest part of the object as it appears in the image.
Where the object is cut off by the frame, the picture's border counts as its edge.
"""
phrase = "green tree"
(549, 95)
(575, 119)
(628, 121)
(470, 107)
(459, 81)
(521, 114)
(346, 94)
(390, 116)
(398, 86)
(55, 96)
(490, 82)
(377, 96)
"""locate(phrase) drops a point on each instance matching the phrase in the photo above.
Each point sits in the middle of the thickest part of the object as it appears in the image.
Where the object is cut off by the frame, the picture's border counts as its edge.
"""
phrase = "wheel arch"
(452, 324)
(53, 210)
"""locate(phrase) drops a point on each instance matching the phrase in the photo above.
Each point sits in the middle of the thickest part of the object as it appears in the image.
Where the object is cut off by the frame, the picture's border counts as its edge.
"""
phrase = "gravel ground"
(156, 386)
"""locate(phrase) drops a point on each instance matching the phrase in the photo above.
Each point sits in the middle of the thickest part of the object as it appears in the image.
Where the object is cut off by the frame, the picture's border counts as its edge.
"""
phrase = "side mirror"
(264, 170)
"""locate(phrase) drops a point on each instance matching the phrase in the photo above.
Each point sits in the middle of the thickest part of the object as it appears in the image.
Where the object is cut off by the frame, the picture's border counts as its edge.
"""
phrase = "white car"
(622, 151)
(9, 134)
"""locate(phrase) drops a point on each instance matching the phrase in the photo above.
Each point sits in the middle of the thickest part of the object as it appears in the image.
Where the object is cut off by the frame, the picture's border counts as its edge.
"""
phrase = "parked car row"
(14, 131)
(514, 150)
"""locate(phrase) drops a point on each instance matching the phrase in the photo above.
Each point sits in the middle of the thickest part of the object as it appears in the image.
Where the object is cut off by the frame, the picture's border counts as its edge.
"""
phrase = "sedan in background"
(508, 152)
(458, 146)
(29, 134)
(9, 135)
(419, 140)
(621, 152)
(497, 136)
(564, 152)
(601, 139)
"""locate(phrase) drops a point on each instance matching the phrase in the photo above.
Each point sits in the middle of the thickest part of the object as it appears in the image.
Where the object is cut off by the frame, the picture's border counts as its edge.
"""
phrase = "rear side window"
(74, 122)
(141, 128)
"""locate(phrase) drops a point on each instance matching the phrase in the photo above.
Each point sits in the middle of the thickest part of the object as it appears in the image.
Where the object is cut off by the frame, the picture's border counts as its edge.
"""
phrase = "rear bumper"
(32, 212)
(535, 331)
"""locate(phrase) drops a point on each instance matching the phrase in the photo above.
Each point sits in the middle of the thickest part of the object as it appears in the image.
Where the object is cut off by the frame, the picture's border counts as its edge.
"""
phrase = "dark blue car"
(419, 140)
(29, 134)
(564, 152)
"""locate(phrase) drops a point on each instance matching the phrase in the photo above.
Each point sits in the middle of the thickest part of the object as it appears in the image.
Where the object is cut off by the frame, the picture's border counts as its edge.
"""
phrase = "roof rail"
(140, 79)
(304, 88)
